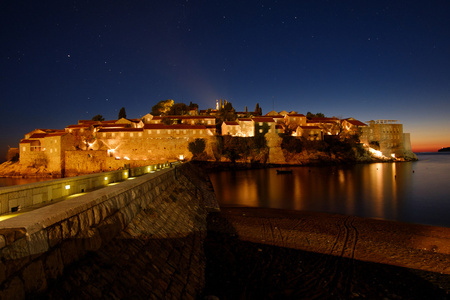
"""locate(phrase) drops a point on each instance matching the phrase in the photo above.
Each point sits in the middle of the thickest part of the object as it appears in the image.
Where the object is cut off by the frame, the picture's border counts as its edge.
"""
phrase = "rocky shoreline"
(255, 253)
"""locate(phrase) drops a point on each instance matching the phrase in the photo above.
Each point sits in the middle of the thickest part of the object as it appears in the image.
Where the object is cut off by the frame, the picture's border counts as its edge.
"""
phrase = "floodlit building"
(385, 136)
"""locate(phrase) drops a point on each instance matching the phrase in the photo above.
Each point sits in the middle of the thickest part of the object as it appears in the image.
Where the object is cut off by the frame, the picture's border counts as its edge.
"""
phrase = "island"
(183, 132)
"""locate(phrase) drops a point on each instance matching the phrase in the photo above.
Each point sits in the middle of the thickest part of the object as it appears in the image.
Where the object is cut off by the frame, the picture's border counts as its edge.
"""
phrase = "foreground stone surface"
(140, 239)
(255, 253)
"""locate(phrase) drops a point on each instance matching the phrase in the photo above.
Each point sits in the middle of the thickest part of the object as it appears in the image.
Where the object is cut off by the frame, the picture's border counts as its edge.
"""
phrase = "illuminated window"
(158, 131)
(122, 134)
(67, 187)
(131, 134)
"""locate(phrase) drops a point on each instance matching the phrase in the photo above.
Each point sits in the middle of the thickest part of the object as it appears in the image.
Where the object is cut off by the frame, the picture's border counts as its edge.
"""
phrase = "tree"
(227, 112)
(258, 110)
(311, 115)
(98, 118)
(197, 147)
(193, 105)
(162, 107)
(178, 109)
(122, 113)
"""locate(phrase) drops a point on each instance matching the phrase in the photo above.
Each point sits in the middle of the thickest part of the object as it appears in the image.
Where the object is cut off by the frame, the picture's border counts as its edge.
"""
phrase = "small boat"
(284, 171)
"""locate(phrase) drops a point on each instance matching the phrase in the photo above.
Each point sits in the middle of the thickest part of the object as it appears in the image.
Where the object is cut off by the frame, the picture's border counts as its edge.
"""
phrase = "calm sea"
(414, 192)
(16, 181)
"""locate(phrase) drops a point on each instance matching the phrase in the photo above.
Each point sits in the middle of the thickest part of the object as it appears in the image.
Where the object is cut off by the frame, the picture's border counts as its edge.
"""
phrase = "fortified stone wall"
(150, 148)
(138, 239)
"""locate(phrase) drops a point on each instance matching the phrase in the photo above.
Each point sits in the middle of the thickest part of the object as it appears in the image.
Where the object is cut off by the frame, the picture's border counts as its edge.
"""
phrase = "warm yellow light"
(67, 187)
(376, 153)
(181, 157)
(126, 158)
(393, 155)
(106, 178)
(126, 173)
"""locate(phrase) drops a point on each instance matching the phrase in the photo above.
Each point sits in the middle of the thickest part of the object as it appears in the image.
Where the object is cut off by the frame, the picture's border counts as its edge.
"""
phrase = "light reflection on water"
(416, 192)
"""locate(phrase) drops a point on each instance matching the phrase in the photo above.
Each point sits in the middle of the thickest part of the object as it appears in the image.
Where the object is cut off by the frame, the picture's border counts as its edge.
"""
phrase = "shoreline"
(352, 246)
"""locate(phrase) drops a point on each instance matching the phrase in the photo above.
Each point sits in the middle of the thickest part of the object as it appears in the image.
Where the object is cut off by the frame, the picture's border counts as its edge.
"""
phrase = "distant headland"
(444, 149)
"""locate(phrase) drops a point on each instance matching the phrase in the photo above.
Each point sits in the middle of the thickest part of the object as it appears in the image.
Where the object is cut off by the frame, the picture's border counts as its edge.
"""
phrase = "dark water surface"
(414, 192)
(4, 181)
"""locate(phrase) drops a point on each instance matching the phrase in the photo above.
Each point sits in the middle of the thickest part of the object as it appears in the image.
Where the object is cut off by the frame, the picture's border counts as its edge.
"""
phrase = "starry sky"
(61, 61)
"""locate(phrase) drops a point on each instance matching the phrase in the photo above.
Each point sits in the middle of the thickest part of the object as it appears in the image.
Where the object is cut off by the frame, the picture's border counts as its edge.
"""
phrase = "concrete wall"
(140, 239)
(40, 192)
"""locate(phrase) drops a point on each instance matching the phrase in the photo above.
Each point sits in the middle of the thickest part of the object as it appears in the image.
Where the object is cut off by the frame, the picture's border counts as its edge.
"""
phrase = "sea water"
(414, 192)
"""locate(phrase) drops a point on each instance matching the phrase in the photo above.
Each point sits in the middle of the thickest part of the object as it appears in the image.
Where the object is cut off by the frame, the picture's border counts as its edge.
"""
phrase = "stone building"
(44, 147)
(385, 136)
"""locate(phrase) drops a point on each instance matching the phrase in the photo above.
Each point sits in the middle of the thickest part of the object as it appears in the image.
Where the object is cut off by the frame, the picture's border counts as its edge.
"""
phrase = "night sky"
(61, 61)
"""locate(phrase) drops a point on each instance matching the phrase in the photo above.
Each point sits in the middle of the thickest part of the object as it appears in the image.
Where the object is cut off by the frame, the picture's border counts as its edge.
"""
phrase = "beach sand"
(257, 253)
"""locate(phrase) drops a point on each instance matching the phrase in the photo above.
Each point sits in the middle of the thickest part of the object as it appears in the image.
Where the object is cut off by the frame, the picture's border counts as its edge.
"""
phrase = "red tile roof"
(38, 135)
(356, 123)
(295, 115)
(172, 127)
(120, 129)
(323, 120)
(263, 119)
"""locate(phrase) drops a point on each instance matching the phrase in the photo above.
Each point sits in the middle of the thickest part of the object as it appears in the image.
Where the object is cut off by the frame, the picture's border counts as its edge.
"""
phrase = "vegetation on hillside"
(241, 148)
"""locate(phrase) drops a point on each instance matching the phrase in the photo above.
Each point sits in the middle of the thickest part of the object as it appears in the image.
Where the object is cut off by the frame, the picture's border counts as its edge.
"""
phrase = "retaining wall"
(40, 192)
(140, 239)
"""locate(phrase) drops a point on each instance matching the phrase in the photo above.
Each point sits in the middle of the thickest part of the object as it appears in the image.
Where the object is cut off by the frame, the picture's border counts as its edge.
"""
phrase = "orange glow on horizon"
(427, 147)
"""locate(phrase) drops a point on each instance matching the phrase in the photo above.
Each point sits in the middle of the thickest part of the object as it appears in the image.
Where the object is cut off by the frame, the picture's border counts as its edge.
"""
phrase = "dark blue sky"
(61, 61)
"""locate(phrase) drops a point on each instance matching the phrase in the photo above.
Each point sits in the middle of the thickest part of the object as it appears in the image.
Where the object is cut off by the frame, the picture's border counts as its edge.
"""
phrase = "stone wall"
(139, 239)
(53, 190)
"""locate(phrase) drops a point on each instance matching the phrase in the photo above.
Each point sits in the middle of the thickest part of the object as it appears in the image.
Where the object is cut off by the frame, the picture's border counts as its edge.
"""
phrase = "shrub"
(197, 147)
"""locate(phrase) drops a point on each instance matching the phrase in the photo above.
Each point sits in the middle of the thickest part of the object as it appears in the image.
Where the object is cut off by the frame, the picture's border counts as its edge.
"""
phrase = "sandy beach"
(273, 254)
